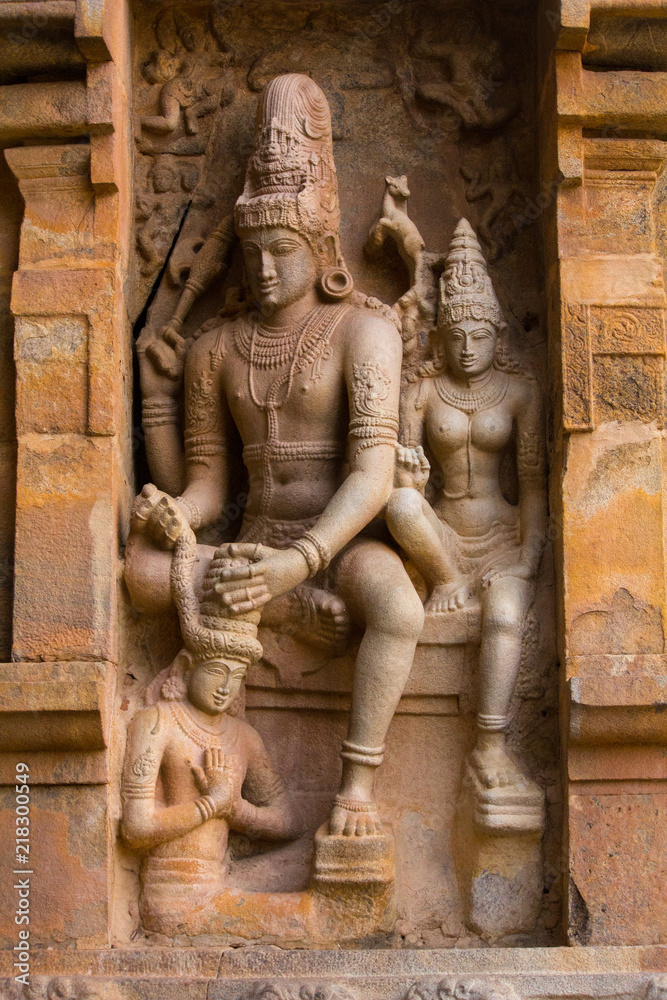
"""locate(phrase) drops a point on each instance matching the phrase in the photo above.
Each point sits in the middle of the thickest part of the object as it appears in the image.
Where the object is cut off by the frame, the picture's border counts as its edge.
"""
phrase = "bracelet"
(155, 413)
(193, 511)
(206, 808)
(309, 553)
(370, 756)
(323, 550)
(492, 723)
(316, 552)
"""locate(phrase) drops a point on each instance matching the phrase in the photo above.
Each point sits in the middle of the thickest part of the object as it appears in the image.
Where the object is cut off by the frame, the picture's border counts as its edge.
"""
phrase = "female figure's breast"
(491, 429)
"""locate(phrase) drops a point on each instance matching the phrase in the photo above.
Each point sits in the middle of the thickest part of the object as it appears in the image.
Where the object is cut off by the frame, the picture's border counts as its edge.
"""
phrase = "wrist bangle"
(155, 413)
(192, 510)
(323, 550)
(309, 553)
(206, 808)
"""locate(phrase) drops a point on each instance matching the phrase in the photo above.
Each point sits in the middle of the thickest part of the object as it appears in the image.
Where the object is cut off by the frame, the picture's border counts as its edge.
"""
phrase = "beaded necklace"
(201, 734)
(473, 399)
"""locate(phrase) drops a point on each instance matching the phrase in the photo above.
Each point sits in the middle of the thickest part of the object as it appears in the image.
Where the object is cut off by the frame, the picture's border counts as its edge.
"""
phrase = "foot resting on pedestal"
(350, 818)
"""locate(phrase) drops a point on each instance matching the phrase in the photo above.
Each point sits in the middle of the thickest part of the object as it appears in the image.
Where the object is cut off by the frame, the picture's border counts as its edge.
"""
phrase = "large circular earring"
(336, 282)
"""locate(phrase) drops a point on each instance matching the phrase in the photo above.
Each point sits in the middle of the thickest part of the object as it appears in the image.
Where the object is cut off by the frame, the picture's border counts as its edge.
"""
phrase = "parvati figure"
(467, 408)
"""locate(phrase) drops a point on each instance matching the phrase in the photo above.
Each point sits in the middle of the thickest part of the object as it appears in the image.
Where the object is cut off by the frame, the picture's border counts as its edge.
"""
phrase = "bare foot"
(323, 618)
(313, 615)
(350, 818)
(494, 768)
(448, 596)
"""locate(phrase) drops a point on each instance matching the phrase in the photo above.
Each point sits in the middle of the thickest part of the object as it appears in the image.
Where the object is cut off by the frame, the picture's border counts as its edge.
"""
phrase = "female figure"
(468, 407)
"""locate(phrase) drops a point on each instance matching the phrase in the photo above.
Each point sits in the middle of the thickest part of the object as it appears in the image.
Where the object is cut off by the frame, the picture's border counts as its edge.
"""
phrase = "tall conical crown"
(466, 291)
(291, 176)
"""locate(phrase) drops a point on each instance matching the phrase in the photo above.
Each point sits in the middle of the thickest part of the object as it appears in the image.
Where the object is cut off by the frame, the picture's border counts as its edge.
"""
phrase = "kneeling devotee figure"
(308, 378)
(468, 407)
(193, 772)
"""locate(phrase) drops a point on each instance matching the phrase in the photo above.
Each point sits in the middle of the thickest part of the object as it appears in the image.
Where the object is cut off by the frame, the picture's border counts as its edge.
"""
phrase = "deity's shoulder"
(211, 343)
(368, 327)
(523, 388)
(148, 729)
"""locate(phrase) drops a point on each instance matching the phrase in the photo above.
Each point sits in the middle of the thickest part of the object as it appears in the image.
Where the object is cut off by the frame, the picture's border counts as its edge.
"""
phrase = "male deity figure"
(193, 772)
(309, 379)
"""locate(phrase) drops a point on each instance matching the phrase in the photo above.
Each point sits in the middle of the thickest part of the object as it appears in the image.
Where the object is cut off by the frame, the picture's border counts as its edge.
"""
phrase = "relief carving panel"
(360, 488)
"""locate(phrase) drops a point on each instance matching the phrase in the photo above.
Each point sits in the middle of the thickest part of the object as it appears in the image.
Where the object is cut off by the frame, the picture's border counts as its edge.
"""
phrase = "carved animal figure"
(396, 223)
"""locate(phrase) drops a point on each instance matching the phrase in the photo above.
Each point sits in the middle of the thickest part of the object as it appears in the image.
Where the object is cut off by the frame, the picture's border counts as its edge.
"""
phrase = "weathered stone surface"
(130, 126)
(68, 833)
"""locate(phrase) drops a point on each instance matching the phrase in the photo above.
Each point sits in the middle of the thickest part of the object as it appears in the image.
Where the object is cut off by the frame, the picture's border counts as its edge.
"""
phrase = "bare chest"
(449, 429)
(289, 390)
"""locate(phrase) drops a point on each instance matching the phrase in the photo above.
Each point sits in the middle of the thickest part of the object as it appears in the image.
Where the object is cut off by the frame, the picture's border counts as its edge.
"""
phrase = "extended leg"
(505, 606)
(379, 595)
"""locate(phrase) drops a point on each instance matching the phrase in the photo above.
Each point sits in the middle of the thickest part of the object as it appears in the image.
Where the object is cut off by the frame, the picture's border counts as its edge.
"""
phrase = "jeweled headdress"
(466, 291)
(291, 176)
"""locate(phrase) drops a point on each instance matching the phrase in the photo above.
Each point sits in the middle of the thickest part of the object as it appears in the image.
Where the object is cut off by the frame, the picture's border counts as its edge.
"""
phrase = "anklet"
(492, 723)
(351, 805)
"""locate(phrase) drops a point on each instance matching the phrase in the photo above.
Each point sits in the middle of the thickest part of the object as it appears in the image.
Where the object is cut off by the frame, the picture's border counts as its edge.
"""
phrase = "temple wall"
(125, 130)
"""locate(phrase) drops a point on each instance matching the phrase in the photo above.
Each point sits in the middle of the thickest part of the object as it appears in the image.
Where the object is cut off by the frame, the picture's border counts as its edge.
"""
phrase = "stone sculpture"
(309, 377)
(188, 761)
(465, 405)
(395, 221)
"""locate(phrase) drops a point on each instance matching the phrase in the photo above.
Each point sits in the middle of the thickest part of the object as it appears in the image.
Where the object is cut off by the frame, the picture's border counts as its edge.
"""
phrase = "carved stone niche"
(310, 579)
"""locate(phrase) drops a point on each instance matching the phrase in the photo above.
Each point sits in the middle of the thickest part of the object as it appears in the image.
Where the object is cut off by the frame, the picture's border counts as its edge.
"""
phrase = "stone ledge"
(626, 709)
(55, 706)
(589, 972)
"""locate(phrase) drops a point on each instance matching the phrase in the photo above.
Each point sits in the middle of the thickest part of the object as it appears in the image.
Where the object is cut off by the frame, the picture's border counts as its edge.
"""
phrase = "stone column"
(72, 351)
(607, 330)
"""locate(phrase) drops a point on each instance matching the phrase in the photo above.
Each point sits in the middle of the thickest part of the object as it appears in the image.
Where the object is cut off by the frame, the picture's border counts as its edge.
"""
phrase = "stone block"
(69, 880)
(66, 543)
(617, 868)
(55, 706)
(52, 375)
(7, 524)
(612, 533)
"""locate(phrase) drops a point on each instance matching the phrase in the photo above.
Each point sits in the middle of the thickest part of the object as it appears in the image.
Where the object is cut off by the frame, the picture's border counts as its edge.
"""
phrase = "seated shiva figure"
(307, 380)
(466, 408)
(193, 772)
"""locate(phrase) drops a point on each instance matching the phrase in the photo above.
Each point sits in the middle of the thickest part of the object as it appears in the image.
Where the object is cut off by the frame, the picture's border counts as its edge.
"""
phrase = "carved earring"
(336, 282)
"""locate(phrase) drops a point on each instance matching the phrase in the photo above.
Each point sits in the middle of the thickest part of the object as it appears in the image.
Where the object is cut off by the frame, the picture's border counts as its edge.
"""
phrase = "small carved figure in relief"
(500, 185)
(474, 89)
(161, 214)
(309, 377)
(192, 770)
(179, 93)
(187, 67)
(395, 222)
(467, 406)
